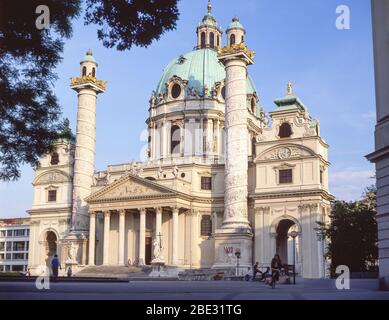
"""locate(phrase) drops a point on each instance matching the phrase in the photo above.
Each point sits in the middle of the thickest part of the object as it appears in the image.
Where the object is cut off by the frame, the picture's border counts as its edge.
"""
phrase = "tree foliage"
(29, 111)
(124, 23)
(352, 233)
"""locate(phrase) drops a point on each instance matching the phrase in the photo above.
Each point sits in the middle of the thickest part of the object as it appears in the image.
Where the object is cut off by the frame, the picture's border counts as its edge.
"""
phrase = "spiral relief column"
(236, 231)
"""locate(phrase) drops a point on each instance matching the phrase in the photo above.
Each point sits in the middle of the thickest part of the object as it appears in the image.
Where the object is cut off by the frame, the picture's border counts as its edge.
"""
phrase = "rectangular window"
(206, 226)
(52, 195)
(9, 246)
(2, 256)
(285, 176)
(27, 248)
(2, 233)
(9, 233)
(8, 256)
(7, 268)
(18, 246)
(206, 183)
(321, 176)
(2, 246)
(19, 233)
(17, 268)
(18, 256)
(27, 232)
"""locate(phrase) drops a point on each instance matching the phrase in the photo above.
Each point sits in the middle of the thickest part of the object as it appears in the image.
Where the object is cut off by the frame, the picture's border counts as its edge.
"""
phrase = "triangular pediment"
(130, 187)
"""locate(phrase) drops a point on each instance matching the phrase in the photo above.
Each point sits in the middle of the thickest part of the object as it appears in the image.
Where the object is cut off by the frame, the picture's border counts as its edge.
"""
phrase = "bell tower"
(209, 34)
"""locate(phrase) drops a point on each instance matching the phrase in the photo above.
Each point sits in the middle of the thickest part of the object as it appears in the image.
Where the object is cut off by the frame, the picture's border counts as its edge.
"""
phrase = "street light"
(294, 234)
(237, 254)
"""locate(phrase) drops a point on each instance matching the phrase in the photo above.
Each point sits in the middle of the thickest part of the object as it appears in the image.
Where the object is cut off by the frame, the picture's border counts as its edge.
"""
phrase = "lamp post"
(294, 234)
(237, 254)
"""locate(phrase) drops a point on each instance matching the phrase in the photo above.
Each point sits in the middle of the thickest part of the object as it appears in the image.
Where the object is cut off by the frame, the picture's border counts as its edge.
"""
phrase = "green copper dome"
(235, 24)
(89, 57)
(200, 68)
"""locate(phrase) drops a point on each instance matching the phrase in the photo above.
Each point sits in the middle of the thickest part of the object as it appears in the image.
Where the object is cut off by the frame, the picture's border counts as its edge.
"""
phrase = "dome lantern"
(209, 34)
(235, 32)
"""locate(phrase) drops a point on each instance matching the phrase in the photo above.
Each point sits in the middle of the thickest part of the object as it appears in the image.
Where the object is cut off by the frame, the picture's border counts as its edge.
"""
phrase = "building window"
(18, 246)
(253, 143)
(212, 40)
(175, 91)
(9, 233)
(17, 268)
(2, 256)
(2, 233)
(232, 39)
(27, 246)
(18, 256)
(8, 256)
(2, 246)
(9, 246)
(223, 92)
(285, 176)
(321, 176)
(206, 226)
(253, 105)
(19, 233)
(242, 39)
(94, 72)
(83, 71)
(206, 183)
(54, 159)
(218, 41)
(202, 40)
(52, 196)
(285, 130)
(175, 140)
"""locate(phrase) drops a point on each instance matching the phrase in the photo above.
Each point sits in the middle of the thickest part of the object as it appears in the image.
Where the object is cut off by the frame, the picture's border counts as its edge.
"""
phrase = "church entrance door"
(148, 250)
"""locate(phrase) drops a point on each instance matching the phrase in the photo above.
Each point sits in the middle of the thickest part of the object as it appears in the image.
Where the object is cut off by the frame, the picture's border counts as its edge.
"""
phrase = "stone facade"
(380, 17)
(219, 178)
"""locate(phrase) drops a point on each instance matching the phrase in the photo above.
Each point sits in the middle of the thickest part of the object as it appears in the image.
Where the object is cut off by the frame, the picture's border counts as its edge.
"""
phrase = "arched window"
(206, 226)
(253, 104)
(223, 92)
(242, 39)
(202, 40)
(218, 41)
(93, 72)
(285, 130)
(232, 39)
(176, 91)
(83, 71)
(175, 140)
(212, 40)
(54, 159)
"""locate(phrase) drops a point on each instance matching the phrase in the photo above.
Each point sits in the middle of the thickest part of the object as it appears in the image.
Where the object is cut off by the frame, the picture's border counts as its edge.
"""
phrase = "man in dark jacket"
(54, 266)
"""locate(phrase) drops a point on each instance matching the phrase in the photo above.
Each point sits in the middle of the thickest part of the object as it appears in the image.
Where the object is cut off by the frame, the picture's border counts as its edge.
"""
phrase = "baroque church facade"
(221, 177)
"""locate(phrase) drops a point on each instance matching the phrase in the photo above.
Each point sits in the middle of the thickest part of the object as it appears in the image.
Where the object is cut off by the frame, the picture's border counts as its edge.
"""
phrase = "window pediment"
(285, 152)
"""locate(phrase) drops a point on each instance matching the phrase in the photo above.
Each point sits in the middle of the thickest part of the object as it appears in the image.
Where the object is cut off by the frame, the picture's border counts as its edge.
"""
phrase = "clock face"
(284, 153)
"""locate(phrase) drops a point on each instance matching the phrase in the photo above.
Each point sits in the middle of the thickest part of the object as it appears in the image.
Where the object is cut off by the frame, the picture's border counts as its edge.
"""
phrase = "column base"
(227, 242)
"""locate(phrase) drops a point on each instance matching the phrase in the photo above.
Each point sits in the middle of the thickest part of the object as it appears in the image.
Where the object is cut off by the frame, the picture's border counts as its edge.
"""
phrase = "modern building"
(380, 17)
(14, 244)
(222, 176)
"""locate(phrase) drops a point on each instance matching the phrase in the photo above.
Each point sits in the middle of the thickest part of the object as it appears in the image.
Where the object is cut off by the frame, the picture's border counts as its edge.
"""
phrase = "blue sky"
(332, 73)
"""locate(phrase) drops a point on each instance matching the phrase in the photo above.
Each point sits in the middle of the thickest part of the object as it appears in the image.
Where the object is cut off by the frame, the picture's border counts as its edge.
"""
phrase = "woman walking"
(276, 266)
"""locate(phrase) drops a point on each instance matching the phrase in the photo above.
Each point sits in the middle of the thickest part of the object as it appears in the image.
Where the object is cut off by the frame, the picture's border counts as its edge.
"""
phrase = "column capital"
(175, 209)
(122, 212)
(158, 209)
(142, 210)
(107, 213)
(92, 213)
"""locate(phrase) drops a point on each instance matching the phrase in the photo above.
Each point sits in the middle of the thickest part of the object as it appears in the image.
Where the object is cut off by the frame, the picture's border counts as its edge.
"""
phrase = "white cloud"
(349, 184)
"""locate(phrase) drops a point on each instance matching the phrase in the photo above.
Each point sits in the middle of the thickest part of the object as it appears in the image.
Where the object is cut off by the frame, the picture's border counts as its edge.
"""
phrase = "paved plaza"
(196, 290)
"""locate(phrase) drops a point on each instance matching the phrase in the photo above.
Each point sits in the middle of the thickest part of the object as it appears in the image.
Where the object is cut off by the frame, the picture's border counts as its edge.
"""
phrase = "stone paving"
(194, 290)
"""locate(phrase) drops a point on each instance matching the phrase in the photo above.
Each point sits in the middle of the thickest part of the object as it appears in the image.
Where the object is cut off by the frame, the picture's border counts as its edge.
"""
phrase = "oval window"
(176, 91)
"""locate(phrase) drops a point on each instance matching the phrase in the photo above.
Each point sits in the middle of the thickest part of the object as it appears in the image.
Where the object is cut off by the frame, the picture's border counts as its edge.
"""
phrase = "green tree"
(29, 111)
(352, 233)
